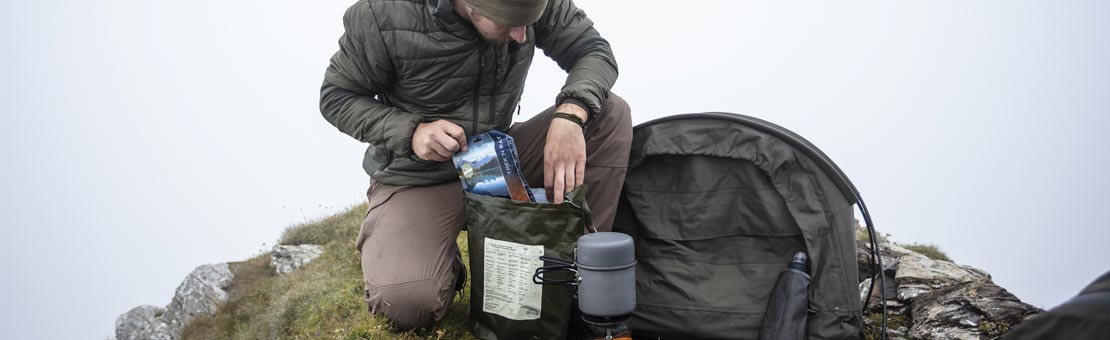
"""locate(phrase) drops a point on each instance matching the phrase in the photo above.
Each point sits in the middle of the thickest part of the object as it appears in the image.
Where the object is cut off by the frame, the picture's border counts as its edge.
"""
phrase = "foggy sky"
(141, 139)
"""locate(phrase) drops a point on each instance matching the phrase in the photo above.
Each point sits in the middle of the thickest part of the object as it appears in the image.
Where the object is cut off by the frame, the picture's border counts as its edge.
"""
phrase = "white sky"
(140, 139)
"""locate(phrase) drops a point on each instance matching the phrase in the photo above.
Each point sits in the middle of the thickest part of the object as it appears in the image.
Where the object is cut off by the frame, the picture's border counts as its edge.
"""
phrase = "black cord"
(875, 257)
(559, 265)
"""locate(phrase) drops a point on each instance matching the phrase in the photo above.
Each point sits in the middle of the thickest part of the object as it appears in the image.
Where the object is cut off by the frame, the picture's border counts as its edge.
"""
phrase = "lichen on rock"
(285, 259)
(936, 299)
(200, 293)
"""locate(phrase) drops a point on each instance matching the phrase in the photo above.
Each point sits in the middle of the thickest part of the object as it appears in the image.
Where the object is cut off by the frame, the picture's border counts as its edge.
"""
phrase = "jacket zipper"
(478, 91)
(496, 79)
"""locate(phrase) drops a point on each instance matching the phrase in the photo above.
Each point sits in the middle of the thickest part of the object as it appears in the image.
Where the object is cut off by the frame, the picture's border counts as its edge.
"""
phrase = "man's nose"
(518, 34)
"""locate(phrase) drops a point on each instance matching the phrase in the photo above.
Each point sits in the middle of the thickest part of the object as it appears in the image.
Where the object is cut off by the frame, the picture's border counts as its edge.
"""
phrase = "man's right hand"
(438, 140)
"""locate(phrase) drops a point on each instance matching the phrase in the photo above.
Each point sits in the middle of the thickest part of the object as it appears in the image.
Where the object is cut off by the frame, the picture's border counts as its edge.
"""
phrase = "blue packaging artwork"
(490, 167)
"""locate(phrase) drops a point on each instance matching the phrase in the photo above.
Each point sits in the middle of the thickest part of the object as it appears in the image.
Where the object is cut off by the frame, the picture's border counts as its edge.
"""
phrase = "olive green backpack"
(506, 238)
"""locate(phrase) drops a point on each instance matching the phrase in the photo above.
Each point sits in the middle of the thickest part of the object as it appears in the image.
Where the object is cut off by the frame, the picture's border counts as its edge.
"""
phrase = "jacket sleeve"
(566, 35)
(354, 81)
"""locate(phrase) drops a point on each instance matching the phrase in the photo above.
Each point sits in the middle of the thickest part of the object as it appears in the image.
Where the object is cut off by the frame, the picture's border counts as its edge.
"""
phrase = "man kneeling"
(415, 78)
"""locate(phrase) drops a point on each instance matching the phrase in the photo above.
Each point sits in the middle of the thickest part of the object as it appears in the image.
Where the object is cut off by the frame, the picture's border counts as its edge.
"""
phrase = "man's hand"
(564, 154)
(438, 140)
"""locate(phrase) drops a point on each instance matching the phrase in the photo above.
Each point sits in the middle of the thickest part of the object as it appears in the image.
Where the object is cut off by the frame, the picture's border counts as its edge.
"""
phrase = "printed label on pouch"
(509, 290)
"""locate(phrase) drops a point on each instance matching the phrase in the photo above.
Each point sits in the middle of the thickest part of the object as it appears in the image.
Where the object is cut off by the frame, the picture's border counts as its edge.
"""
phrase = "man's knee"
(409, 306)
(609, 138)
(615, 117)
(614, 102)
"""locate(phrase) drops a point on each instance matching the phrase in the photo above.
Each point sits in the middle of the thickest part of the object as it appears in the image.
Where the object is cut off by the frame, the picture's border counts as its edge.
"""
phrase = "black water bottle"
(786, 316)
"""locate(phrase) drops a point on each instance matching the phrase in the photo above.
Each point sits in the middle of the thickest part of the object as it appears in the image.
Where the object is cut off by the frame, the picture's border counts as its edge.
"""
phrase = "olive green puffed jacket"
(405, 62)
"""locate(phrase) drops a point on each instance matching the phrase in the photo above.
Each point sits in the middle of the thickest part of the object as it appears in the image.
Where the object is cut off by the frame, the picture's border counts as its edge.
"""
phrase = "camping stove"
(605, 278)
(606, 265)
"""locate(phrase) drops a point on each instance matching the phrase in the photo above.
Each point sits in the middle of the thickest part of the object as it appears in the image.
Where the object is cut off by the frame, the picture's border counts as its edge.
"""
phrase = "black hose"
(875, 257)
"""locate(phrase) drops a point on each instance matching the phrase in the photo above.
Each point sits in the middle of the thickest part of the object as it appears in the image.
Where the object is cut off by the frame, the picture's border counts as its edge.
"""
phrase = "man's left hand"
(564, 154)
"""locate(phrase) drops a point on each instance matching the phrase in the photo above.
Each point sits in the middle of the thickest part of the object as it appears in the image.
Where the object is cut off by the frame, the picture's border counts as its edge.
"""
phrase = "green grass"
(872, 330)
(323, 300)
(994, 328)
(928, 249)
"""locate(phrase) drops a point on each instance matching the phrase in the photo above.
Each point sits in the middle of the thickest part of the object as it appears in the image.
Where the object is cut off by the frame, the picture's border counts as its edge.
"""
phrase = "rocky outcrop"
(200, 293)
(142, 322)
(969, 310)
(916, 274)
(285, 259)
(935, 299)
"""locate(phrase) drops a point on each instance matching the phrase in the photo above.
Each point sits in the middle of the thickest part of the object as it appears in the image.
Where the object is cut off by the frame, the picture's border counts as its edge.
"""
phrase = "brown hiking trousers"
(408, 237)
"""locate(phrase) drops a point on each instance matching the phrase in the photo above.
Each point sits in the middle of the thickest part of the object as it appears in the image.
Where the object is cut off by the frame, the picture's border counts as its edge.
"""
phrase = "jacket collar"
(440, 8)
(445, 16)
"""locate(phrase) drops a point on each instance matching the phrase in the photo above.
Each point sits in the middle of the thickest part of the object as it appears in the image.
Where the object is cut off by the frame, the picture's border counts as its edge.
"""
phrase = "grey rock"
(864, 289)
(285, 259)
(917, 274)
(889, 264)
(201, 293)
(888, 259)
(970, 310)
(142, 322)
(907, 292)
(891, 292)
(932, 299)
(946, 333)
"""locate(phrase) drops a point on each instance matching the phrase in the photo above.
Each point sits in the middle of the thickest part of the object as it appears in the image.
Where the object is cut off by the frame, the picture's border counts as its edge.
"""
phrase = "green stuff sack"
(506, 240)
